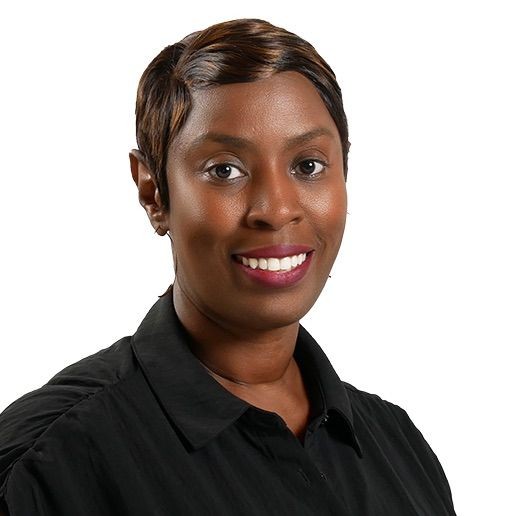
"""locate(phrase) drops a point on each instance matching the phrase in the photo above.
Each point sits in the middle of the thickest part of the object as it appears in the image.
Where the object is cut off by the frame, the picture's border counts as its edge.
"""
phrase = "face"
(256, 165)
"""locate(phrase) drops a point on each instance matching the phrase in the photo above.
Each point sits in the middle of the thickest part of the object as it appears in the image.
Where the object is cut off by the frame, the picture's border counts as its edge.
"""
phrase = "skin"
(244, 333)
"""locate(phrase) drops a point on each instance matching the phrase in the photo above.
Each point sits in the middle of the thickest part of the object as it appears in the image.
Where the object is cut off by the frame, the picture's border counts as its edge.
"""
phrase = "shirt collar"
(195, 402)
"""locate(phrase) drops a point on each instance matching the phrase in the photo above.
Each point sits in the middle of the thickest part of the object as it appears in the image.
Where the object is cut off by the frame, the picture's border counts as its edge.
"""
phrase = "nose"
(273, 200)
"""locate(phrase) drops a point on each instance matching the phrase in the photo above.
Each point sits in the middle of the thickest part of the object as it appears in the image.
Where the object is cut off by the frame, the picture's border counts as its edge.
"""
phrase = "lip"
(275, 251)
(276, 279)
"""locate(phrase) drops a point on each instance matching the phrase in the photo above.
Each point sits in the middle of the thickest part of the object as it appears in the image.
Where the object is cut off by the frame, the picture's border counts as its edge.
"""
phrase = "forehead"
(270, 110)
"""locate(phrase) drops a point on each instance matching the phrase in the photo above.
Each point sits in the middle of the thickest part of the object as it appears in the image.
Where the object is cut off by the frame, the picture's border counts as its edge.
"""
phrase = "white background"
(420, 308)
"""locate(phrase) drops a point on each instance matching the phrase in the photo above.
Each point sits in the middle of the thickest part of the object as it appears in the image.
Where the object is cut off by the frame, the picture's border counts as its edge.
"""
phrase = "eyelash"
(307, 177)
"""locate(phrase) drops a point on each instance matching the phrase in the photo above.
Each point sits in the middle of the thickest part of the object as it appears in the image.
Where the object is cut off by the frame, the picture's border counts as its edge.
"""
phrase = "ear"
(148, 193)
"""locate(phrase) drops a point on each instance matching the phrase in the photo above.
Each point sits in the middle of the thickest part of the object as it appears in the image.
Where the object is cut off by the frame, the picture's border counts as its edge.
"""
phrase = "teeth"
(274, 264)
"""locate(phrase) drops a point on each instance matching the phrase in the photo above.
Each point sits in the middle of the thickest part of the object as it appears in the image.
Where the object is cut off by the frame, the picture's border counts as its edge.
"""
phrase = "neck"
(239, 358)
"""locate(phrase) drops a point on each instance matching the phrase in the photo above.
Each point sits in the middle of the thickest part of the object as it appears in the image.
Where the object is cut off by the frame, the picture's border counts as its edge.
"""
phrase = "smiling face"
(257, 164)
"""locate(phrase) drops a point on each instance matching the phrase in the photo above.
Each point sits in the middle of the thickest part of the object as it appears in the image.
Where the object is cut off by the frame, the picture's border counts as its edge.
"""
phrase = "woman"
(221, 402)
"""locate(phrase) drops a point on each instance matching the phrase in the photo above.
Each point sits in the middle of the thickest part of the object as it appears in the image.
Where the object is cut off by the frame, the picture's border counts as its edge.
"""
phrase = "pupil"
(225, 170)
(309, 169)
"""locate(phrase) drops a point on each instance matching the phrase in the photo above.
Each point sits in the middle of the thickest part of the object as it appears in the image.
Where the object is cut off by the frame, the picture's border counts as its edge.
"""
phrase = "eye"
(311, 167)
(223, 171)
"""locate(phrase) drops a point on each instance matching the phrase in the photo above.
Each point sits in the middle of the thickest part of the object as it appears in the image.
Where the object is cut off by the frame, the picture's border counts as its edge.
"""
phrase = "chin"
(274, 314)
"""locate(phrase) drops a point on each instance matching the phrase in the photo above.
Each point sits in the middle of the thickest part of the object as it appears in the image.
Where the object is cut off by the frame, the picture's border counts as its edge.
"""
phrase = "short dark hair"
(242, 50)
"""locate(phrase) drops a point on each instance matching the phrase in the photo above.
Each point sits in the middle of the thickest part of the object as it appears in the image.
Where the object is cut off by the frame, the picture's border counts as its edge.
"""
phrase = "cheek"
(329, 208)
(200, 218)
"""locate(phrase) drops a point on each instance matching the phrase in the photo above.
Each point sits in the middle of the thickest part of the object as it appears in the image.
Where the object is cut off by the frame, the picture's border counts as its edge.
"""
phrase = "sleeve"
(24, 449)
(40, 446)
(45, 482)
(25, 420)
(426, 457)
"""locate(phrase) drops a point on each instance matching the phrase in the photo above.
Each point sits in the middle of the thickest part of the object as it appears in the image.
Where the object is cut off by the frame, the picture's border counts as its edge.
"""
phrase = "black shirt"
(141, 428)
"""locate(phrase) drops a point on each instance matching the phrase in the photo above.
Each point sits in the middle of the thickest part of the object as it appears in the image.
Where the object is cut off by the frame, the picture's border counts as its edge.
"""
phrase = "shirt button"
(324, 419)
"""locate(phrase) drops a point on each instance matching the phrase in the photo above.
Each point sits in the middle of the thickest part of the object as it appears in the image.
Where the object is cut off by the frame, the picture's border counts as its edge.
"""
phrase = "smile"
(275, 272)
(273, 264)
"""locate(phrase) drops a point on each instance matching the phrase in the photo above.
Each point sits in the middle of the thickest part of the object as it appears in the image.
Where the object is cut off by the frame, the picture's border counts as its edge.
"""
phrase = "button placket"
(306, 468)
(301, 471)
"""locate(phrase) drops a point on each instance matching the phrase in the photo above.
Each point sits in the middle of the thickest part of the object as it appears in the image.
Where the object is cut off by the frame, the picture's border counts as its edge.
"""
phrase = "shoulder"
(27, 419)
(382, 415)
(372, 406)
(388, 429)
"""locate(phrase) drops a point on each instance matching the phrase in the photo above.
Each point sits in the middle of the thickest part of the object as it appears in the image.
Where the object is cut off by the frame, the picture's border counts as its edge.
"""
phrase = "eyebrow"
(244, 143)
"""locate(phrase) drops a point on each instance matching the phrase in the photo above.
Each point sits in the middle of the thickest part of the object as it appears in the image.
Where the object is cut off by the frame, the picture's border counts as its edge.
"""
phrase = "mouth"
(273, 264)
(274, 272)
